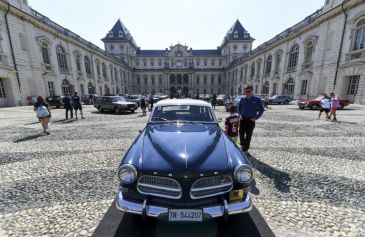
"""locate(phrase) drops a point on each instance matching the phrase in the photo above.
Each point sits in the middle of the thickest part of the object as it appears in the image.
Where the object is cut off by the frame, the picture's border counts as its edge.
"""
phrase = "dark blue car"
(183, 168)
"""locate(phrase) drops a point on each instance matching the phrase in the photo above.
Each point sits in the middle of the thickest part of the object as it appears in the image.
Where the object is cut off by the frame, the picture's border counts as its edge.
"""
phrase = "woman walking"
(43, 113)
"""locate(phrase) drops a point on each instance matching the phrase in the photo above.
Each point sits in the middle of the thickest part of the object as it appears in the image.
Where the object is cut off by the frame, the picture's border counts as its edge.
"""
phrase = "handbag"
(42, 111)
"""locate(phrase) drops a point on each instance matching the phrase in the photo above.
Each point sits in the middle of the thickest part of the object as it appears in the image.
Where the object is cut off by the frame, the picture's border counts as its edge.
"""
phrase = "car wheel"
(132, 111)
(286, 102)
(342, 106)
(116, 110)
(301, 107)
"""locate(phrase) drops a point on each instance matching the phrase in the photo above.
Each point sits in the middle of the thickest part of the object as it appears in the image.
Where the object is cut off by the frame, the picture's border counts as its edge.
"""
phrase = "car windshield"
(320, 97)
(183, 113)
(118, 98)
(275, 97)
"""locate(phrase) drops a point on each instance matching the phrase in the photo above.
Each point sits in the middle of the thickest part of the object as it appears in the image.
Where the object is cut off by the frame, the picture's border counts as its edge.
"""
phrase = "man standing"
(325, 106)
(214, 100)
(335, 103)
(66, 101)
(250, 109)
(77, 104)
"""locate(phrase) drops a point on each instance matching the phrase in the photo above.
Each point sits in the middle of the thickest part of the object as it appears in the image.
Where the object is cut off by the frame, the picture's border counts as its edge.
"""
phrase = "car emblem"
(201, 175)
(170, 175)
(185, 176)
(216, 172)
(155, 173)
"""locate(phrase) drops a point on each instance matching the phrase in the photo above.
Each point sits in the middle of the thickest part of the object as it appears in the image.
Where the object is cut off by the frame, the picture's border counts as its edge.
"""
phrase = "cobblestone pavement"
(309, 173)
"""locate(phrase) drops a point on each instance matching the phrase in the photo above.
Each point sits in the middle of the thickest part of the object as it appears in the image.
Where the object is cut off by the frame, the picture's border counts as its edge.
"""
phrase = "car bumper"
(208, 212)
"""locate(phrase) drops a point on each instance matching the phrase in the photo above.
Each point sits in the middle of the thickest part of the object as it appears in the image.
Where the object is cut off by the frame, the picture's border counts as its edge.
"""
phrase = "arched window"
(359, 35)
(111, 72)
(106, 90)
(268, 66)
(252, 70)
(78, 63)
(116, 75)
(289, 87)
(241, 74)
(309, 52)
(66, 88)
(235, 34)
(293, 58)
(87, 65)
(90, 88)
(265, 88)
(103, 68)
(61, 58)
(277, 63)
(245, 74)
(45, 53)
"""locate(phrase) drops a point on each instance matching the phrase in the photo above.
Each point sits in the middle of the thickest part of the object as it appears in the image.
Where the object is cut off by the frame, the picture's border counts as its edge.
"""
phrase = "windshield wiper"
(162, 119)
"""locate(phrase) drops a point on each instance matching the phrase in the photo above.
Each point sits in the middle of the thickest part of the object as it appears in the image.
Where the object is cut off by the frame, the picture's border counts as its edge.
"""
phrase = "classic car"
(88, 99)
(280, 99)
(137, 99)
(55, 101)
(316, 103)
(221, 99)
(182, 167)
(117, 104)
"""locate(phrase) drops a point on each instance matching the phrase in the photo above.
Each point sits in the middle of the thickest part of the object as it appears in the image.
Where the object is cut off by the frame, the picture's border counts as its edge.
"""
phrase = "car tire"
(116, 110)
(301, 107)
(132, 111)
(286, 102)
(342, 106)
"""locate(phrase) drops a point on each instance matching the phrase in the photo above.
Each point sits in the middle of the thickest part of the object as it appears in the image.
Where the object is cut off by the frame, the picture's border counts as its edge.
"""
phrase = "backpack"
(42, 111)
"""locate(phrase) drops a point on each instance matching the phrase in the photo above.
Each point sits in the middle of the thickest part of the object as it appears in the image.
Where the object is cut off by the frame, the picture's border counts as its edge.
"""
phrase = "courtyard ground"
(309, 173)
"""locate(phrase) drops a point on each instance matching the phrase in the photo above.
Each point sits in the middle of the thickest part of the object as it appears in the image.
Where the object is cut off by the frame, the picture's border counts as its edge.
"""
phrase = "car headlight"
(127, 174)
(243, 173)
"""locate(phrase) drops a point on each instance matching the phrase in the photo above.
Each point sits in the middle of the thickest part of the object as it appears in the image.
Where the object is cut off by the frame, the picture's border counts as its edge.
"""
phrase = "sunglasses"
(248, 91)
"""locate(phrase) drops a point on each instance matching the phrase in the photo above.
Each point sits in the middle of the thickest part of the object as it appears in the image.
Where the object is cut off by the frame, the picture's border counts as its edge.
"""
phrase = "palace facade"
(324, 52)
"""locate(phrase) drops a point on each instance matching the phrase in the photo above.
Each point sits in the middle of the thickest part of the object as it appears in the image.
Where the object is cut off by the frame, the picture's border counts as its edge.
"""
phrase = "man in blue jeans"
(250, 109)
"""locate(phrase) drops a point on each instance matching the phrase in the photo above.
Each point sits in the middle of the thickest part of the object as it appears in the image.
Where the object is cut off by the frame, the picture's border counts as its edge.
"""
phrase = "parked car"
(182, 167)
(137, 99)
(221, 99)
(233, 101)
(88, 99)
(316, 103)
(280, 99)
(55, 101)
(114, 103)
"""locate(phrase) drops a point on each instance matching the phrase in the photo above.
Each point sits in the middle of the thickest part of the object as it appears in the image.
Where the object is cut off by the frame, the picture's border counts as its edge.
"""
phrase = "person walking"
(143, 106)
(66, 101)
(76, 101)
(43, 110)
(335, 103)
(250, 109)
(325, 106)
(232, 124)
(151, 102)
(214, 101)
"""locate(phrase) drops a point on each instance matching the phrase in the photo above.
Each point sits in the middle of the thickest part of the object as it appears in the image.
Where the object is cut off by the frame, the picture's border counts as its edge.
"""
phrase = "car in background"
(316, 103)
(137, 99)
(159, 96)
(55, 101)
(221, 99)
(183, 167)
(280, 99)
(117, 104)
(235, 101)
(88, 99)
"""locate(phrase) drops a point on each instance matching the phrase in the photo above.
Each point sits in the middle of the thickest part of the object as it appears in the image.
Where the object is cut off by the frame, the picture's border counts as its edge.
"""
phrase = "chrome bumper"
(156, 211)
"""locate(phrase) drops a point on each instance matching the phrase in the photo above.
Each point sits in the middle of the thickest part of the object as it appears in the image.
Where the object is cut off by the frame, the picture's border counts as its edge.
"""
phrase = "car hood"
(184, 150)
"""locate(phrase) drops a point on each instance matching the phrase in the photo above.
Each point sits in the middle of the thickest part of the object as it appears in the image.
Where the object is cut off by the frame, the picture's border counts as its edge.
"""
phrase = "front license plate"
(185, 215)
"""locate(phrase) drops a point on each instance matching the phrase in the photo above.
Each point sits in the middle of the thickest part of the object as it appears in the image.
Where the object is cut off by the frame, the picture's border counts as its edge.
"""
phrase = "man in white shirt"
(325, 106)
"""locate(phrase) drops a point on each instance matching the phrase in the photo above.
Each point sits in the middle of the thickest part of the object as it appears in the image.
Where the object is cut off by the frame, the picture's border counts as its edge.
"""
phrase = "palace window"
(145, 63)
(293, 58)
(303, 90)
(241, 73)
(235, 34)
(289, 87)
(45, 53)
(87, 65)
(116, 75)
(268, 66)
(265, 88)
(98, 68)
(110, 33)
(277, 63)
(359, 35)
(111, 72)
(206, 63)
(61, 58)
(234, 47)
(66, 88)
(309, 52)
(78, 63)
(160, 80)
(252, 70)
(103, 69)
(50, 88)
(121, 47)
(205, 80)
(153, 79)
(353, 85)
(120, 34)
(82, 90)
(137, 63)
(245, 74)
(2, 89)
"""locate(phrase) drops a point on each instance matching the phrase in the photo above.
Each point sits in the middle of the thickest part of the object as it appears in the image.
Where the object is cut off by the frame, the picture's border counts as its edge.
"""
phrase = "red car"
(316, 103)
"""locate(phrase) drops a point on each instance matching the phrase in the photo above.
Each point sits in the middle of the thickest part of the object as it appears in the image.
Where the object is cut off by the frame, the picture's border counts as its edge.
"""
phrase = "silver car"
(117, 104)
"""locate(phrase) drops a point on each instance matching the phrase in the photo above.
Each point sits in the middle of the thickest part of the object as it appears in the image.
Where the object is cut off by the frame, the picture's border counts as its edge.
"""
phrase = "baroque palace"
(324, 52)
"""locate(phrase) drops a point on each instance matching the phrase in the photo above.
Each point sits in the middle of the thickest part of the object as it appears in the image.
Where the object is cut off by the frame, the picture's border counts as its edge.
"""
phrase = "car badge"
(216, 172)
(155, 173)
(170, 175)
(201, 175)
(185, 176)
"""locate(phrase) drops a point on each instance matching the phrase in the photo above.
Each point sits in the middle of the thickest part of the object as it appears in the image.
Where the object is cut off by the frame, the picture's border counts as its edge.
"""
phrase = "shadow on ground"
(28, 138)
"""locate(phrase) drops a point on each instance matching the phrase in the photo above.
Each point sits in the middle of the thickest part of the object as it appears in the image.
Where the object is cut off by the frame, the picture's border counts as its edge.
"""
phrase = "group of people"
(144, 104)
(242, 120)
(43, 109)
(329, 105)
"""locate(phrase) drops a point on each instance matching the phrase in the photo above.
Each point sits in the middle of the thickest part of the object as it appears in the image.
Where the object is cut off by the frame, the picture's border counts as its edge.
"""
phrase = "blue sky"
(157, 24)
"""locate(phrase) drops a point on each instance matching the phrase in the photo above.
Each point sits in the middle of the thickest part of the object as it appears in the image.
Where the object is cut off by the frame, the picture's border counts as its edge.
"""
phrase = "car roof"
(168, 102)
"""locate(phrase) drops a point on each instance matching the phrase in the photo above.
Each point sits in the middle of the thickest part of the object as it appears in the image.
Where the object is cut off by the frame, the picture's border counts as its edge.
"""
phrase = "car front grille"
(159, 186)
(211, 186)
